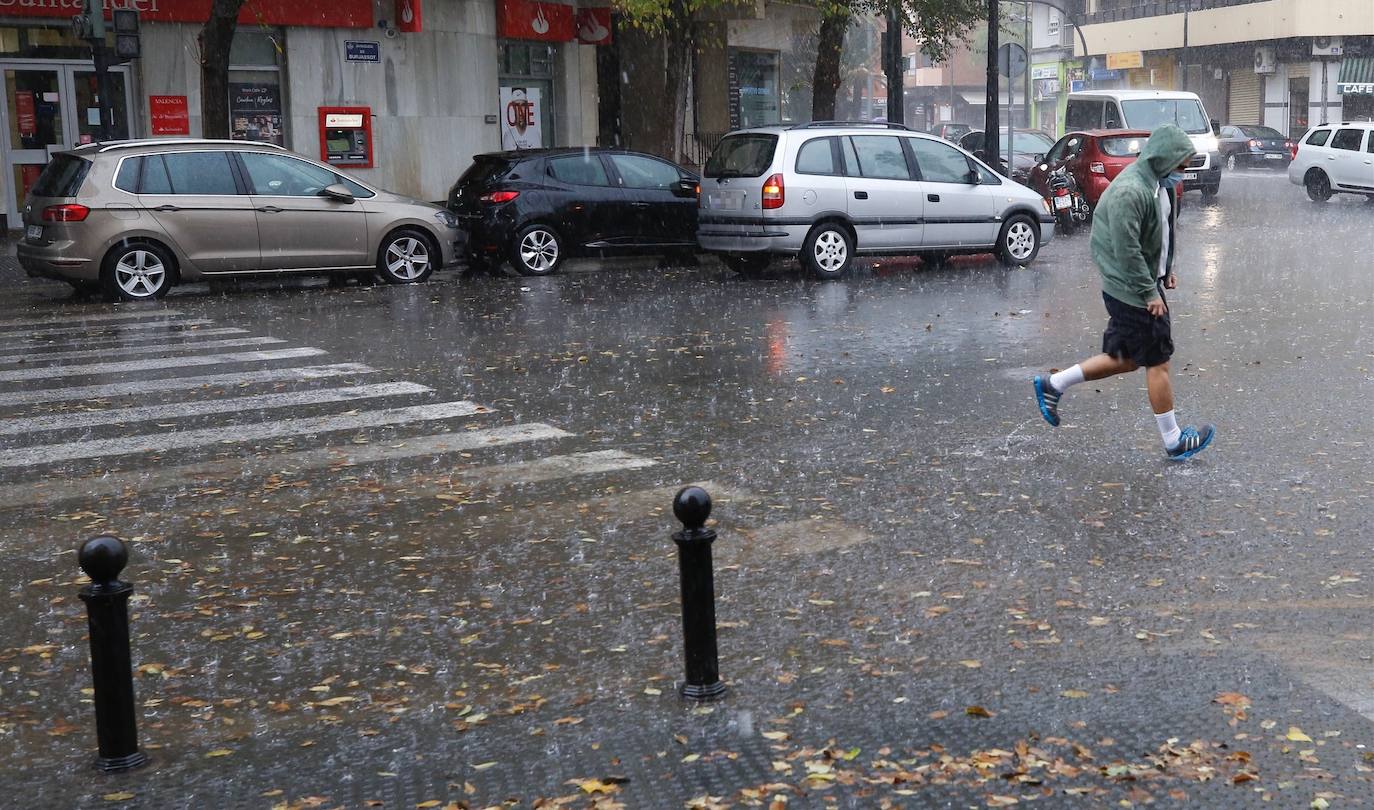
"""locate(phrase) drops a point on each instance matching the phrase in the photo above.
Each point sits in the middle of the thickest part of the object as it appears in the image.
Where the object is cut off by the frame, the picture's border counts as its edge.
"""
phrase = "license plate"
(725, 201)
(1190, 175)
(1273, 157)
(33, 232)
(1062, 202)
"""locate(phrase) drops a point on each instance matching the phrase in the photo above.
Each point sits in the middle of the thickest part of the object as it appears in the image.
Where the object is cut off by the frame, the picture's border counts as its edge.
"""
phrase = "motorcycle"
(1070, 206)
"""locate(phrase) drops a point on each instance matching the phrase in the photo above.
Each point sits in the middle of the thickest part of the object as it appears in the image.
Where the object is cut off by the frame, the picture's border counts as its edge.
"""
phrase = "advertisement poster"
(25, 113)
(169, 115)
(255, 113)
(521, 115)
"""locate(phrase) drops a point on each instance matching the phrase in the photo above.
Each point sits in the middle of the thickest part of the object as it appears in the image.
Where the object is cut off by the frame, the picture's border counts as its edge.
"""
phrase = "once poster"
(255, 113)
(521, 118)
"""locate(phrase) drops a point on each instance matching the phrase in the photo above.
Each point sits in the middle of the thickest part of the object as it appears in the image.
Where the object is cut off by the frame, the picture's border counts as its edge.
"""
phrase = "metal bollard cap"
(692, 506)
(102, 558)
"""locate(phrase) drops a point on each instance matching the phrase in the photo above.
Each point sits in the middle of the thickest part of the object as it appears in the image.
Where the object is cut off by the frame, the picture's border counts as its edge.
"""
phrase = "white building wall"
(1325, 113)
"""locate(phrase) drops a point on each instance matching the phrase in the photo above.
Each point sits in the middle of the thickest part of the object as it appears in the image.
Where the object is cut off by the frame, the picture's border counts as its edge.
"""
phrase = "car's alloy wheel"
(1231, 162)
(1020, 241)
(537, 251)
(1318, 187)
(406, 259)
(138, 273)
(827, 252)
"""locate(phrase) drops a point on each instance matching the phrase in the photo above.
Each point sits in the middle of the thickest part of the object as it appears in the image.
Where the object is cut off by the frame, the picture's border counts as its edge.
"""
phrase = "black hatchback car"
(534, 208)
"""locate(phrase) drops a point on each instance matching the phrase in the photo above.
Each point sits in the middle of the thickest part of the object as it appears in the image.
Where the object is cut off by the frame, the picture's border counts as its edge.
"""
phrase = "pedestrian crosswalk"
(109, 404)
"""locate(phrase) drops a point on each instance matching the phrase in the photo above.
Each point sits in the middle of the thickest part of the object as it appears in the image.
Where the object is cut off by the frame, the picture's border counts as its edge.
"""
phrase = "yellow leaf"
(971, 663)
(483, 766)
(597, 786)
(117, 797)
(336, 701)
(430, 803)
(219, 752)
(1295, 734)
(691, 758)
(1073, 693)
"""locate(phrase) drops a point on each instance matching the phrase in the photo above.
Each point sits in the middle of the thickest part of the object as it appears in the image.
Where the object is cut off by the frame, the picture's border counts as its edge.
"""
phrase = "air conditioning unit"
(1328, 46)
(1266, 59)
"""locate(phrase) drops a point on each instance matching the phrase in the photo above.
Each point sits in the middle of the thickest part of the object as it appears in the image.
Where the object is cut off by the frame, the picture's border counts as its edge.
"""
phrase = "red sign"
(334, 14)
(169, 114)
(408, 16)
(527, 19)
(24, 112)
(594, 26)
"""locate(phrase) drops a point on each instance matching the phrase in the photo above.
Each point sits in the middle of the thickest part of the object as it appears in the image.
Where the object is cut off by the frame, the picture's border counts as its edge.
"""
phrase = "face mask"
(1173, 178)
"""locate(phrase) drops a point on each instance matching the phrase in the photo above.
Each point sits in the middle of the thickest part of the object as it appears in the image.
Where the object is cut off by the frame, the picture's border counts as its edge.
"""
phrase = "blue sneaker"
(1048, 399)
(1191, 442)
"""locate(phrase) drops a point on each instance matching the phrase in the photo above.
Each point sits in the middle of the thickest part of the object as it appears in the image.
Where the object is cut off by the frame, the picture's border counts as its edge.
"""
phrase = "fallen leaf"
(977, 711)
(219, 752)
(1073, 693)
(117, 797)
(971, 663)
(1295, 734)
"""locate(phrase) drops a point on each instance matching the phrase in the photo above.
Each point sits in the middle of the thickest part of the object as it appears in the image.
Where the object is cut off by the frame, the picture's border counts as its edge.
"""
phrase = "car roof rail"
(874, 124)
(109, 146)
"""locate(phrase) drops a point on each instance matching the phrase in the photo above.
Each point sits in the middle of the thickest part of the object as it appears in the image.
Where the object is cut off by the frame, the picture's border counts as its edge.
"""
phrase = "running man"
(1133, 237)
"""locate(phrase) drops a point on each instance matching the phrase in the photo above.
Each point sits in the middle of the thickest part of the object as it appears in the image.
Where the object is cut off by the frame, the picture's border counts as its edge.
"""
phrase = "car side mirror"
(686, 189)
(337, 192)
(973, 178)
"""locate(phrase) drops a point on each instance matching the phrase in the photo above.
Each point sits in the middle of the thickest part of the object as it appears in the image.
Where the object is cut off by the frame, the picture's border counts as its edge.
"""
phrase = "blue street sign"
(355, 51)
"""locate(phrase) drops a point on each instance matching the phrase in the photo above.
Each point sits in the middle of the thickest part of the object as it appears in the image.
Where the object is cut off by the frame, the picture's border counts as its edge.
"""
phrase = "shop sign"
(1355, 89)
(1046, 88)
(1045, 72)
(527, 19)
(594, 26)
(1126, 60)
(255, 113)
(334, 14)
(408, 16)
(169, 115)
(25, 113)
(1100, 75)
(362, 51)
(521, 118)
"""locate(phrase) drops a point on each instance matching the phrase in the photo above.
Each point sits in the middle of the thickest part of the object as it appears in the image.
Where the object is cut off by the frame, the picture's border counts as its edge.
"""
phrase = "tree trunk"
(825, 81)
(678, 41)
(215, 39)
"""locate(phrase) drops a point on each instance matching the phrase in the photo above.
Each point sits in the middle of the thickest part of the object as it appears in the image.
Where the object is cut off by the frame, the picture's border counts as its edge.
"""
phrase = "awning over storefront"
(1357, 77)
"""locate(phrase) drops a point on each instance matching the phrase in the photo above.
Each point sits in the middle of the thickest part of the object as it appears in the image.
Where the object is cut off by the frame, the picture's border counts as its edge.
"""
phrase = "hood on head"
(1167, 147)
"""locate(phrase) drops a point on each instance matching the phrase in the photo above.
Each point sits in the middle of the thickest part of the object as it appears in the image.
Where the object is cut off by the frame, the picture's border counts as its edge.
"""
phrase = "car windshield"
(1028, 143)
(1121, 147)
(1261, 132)
(742, 156)
(1152, 113)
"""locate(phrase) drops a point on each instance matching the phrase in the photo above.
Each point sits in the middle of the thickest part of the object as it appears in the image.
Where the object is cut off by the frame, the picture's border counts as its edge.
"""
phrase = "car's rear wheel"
(748, 264)
(828, 250)
(1318, 186)
(537, 251)
(406, 257)
(1019, 241)
(1231, 162)
(139, 271)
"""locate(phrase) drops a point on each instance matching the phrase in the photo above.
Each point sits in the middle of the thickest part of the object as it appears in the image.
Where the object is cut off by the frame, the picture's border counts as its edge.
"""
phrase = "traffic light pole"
(94, 12)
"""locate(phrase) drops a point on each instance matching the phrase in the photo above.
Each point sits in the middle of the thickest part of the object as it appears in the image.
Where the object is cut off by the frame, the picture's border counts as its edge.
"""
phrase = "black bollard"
(107, 613)
(692, 506)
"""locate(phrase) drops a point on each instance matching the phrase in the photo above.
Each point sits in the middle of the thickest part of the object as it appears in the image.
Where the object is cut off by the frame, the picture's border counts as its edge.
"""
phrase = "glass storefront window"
(255, 106)
(754, 86)
(44, 42)
(526, 94)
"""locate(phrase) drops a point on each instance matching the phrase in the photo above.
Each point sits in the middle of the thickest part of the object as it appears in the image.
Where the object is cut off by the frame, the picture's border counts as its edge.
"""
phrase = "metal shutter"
(1245, 98)
(1299, 70)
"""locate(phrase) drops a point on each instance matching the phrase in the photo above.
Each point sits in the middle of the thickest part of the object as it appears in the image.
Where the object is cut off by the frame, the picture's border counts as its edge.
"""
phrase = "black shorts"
(1134, 334)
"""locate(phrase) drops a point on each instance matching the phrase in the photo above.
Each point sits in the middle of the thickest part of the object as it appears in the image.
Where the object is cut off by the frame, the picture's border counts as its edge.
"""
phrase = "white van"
(1148, 110)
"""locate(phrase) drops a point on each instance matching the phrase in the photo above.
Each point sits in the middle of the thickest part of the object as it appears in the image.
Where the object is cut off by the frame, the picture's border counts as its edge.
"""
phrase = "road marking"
(133, 483)
(182, 383)
(115, 340)
(793, 537)
(157, 364)
(92, 316)
(146, 349)
(548, 468)
(285, 399)
(117, 327)
(236, 434)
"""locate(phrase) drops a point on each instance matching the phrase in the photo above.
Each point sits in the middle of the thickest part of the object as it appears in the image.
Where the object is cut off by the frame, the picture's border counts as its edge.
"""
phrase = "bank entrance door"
(50, 107)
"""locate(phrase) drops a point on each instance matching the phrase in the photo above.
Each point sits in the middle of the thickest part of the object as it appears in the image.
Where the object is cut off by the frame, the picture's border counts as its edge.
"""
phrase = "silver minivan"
(826, 192)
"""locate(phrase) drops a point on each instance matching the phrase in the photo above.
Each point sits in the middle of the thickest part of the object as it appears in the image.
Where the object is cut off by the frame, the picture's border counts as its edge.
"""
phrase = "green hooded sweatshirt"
(1126, 234)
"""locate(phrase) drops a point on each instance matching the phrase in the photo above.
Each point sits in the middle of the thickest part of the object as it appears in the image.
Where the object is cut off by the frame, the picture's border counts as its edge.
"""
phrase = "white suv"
(1336, 159)
(826, 191)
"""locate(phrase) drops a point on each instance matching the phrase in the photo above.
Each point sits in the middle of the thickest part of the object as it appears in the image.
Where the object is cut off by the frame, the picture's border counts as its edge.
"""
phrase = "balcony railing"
(1137, 9)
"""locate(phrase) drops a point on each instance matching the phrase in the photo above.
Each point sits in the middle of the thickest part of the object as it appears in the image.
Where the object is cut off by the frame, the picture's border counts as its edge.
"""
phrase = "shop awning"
(1357, 77)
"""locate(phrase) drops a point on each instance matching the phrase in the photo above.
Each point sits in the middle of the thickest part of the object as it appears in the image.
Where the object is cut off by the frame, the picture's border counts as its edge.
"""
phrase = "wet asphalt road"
(449, 533)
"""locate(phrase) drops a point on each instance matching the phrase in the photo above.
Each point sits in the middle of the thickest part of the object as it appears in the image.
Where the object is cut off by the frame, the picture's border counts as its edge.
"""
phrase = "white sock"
(1061, 380)
(1168, 429)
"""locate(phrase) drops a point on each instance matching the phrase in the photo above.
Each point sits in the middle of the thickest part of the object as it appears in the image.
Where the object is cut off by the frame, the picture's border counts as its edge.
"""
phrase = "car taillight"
(70, 212)
(497, 197)
(1254, 144)
(1293, 149)
(1097, 168)
(773, 193)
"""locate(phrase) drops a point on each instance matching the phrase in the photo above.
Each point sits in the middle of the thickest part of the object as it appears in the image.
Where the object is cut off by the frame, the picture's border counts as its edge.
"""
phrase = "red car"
(1094, 157)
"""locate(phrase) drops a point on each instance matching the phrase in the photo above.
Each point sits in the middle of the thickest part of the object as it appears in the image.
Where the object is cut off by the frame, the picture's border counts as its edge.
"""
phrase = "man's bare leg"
(1049, 390)
(1101, 366)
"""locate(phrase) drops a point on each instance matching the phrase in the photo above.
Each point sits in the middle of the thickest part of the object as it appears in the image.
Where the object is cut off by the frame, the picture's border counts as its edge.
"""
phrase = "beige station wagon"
(135, 217)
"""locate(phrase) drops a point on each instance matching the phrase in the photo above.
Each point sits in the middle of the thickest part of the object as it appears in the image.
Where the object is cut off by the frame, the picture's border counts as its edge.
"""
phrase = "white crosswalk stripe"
(91, 317)
(154, 365)
(115, 329)
(258, 431)
(285, 399)
(151, 480)
(90, 341)
(97, 392)
(228, 343)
